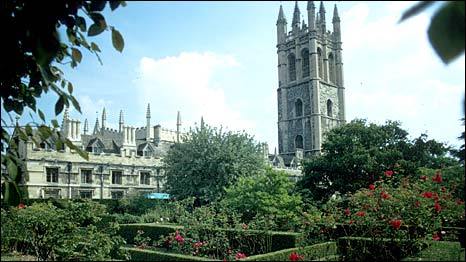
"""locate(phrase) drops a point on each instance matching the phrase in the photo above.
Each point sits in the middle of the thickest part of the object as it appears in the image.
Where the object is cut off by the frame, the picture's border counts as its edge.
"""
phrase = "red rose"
(360, 213)
(437, 207)
(295, 257)
(240, 255)
(417, 203)
(436, 237)
(389, 173)
(384, 195)
(437, 178)
(351, 222)
(347, 212)
(396, 224)
(423, 178)
(427, 194)
(371, 187)
(459, 202)
(179, 239)
(21, 206)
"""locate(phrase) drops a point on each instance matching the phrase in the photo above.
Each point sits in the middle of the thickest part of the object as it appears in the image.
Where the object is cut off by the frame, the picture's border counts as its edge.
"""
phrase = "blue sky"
(218, 60)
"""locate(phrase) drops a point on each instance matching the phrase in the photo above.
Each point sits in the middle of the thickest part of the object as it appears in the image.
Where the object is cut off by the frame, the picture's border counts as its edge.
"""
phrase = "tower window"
(329, 108)
(292, 67)
(52, 174)
(305, 65)
(331, 67)
(298, 142)
(144, 178)
(298, 105)
(320, 62)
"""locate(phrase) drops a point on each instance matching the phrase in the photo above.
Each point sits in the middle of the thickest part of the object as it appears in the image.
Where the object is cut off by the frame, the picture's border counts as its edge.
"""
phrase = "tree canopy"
(31, 61)
(209, 160)
(358, 153)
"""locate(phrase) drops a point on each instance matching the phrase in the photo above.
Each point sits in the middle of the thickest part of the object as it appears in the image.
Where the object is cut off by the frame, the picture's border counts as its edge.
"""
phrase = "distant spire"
(275, 151)
(310, 5)
(121, 122)
(148, 123)
(303, 25)
(178, 125)
(202, 122)
(96, 127)
(104, 118)
(65, 119)
(281, 16)
(336, 18)
(86, 127)
(322, 12)
(148, 111)
(296, 15)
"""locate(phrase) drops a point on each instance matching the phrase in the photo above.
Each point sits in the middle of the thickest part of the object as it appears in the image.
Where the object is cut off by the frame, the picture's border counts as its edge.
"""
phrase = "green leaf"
(45, 132)
(12, 169)
(75, 103)
(70, 87)
(114, 4)
(95, 47)
(77, 56)
(63, 83)
(22, 135)
(41, 115)
(55, 123)
(98, 19)
(59, 105)
(446, 31)
(117, 40)
(98, 5)
(123, 3)
(414, 10)
(81, 22)
(95, 29)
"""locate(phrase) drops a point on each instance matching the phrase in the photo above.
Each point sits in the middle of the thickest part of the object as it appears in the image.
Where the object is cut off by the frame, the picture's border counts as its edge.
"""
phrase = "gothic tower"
(310, 82)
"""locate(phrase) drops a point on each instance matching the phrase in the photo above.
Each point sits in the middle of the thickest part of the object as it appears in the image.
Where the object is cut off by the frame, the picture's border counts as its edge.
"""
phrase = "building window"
(52, 193)
(85, 194)
(96, 150)
(331, 67)
(147, 152)
(117, 194)
(320, 63)
(298, 105)
(298, 142)
(292, 67)
(145, 178)
(52, 174)
(305, 65)
(117, 177)
(329, 108)
(86, 176)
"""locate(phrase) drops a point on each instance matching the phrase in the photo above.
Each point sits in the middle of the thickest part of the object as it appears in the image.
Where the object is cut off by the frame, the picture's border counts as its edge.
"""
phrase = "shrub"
(313, 252)
(155, 255)
(154, 231)
(126, 218)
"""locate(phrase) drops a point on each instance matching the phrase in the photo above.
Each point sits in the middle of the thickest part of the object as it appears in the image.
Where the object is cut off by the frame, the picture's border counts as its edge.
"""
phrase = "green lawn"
(440, 251)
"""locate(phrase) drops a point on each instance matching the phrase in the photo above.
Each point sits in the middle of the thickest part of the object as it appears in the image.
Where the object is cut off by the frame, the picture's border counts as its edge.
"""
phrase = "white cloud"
(91, 109)
(402, 77)
(186, 82)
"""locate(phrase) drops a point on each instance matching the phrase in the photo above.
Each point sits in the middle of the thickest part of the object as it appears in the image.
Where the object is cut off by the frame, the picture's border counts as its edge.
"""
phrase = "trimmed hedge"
(275, 240)
(362, 248)
(154, 231)
(278, 240)
(153, 255)
(314, 252)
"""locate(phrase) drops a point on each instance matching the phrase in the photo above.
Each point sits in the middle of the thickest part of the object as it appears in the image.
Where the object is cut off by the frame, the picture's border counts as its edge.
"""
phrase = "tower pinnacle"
(336, 18)
(86, 127)
(104, 118)
(281, 16)
(296, 16)
(96, 126)
(121, 122)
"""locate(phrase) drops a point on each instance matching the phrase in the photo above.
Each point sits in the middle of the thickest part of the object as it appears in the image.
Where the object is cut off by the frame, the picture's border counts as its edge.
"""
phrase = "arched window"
(305, 65)
(298, 107)
(298, 141)
(292, 67)
(329, 108)
(331, 67)
(320, 63)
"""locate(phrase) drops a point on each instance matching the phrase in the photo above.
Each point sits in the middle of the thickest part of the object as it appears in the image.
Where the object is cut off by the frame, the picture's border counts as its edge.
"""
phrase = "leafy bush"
(156, 255)
(268, 196)
(79, 230)
(154, 231)
(307, 253)
(126, 218)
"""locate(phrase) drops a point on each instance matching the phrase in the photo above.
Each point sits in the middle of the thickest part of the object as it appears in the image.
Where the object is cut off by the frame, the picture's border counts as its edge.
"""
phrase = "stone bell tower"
(310, 90)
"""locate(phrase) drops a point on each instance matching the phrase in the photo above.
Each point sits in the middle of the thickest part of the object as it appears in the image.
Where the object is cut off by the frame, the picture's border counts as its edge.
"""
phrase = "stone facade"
(121, 161)
(310, 92)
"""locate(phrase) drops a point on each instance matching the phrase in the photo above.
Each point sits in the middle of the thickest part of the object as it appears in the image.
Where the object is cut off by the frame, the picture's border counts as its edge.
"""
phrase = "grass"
(440, 251)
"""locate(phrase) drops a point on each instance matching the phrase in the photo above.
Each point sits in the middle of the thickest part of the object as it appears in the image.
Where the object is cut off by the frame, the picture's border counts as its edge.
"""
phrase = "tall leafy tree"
(358, 153)
(32, 55)
(209, 160)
